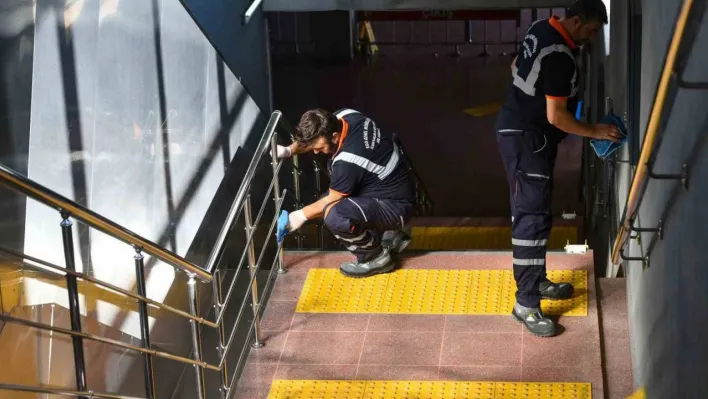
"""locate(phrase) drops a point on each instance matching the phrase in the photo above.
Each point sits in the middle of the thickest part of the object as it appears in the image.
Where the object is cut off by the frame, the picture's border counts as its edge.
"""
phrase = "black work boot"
(535, 321)
(397, 241)
(380, 264)
(551, 290)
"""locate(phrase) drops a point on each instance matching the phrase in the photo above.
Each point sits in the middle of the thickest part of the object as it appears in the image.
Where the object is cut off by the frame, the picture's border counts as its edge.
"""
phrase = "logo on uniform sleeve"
(529, 41)
(371, 140)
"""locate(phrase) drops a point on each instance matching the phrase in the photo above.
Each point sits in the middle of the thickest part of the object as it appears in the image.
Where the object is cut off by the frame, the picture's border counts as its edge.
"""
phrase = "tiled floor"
(419, 347)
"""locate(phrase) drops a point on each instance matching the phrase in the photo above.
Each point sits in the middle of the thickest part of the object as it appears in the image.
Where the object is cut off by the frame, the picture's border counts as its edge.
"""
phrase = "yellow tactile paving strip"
(333, 389)
(480, 237)
(410, 291)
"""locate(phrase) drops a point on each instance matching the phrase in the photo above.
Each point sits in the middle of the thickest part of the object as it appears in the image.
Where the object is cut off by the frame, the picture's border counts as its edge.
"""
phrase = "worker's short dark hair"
(588, 11)
(313, 124)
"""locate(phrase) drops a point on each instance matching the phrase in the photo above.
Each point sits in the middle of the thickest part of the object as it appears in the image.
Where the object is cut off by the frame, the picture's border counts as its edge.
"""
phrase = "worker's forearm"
(566, 122)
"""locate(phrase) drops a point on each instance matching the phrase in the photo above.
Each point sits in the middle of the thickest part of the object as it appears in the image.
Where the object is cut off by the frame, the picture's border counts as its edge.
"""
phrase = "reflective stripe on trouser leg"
(346, 221)
(529, 255)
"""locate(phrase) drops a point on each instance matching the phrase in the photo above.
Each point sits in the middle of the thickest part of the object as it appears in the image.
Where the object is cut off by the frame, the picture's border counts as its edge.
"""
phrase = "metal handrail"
(242, 202)
(62, 391)
(99, 222)
(669, 82)
(55, 200)
(109, 286)
(237, 204)
(108, 341)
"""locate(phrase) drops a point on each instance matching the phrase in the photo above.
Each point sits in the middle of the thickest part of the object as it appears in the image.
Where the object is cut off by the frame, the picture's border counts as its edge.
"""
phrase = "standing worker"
(534, 119)
(370, 191)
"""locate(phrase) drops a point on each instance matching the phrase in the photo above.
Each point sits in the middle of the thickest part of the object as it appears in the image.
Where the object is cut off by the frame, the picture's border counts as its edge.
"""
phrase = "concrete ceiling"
(374, 5)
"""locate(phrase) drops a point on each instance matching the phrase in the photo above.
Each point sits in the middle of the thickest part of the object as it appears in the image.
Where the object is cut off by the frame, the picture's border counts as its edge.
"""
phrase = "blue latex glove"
(282, 226)
(604, 148)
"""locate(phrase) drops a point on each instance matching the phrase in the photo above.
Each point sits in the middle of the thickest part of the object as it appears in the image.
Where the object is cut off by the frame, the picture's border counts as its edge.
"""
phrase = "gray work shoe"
(551, 290)
(397, 241)
(534, 320)
(378, 265)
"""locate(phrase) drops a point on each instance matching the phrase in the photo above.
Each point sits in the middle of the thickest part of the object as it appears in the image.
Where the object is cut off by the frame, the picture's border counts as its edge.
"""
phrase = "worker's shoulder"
(543, 34)
(348, 114)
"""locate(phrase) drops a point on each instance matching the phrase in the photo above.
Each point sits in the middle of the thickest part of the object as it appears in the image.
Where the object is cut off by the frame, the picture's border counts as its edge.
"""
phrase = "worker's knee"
(334, 220)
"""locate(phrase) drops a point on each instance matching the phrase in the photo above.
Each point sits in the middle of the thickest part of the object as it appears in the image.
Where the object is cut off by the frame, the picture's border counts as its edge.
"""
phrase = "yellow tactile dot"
(410, 291)
(550, 390)
(314, 389)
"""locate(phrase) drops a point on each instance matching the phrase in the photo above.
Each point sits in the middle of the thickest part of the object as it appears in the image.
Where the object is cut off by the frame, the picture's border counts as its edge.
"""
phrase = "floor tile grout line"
(397, 365)
(285, 343)
(363, 343)
(396, 331)
(442, 346)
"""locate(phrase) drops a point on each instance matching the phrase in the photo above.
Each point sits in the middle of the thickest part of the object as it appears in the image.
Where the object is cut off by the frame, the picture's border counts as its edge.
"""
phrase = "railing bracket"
(643, 259)
(683, 176)
(659, 229)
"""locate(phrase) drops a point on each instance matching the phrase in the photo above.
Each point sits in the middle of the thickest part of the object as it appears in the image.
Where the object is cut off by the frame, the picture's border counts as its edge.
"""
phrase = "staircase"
(435, 330)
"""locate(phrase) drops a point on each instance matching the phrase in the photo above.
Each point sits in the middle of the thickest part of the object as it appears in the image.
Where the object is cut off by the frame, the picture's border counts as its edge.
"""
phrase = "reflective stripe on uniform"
(380, 171)
(345, 112)
(528, 85)
(528, 243)
(529, 262)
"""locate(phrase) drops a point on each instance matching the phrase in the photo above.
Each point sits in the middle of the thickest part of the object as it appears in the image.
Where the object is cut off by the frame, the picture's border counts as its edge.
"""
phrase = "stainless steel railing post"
(276, 197)
(72, 289)
(144, 322)
(196, 336)
(218, 308)
(318, 189)
(297, 192)
(252, 267)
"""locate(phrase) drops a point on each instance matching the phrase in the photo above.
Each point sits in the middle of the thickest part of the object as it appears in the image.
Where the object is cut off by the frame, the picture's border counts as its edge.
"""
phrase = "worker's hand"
(289, 222)
(282, 152)
(606, 132)
(296, 220)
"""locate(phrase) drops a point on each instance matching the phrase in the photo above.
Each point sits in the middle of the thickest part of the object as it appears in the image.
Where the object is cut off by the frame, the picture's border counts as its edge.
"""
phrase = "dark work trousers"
(359, 222)
(529, 159)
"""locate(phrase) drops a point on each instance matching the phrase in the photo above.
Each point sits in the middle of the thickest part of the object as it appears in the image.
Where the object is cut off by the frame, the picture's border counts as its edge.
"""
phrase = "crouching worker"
(369, 193)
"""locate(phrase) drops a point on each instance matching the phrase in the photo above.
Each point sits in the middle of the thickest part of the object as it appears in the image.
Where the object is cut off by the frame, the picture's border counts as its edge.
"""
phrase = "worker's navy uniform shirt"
(368, 163)
(546, 68)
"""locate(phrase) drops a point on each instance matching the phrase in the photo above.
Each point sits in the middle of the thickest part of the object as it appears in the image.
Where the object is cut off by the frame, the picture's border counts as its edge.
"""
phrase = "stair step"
(419, 347)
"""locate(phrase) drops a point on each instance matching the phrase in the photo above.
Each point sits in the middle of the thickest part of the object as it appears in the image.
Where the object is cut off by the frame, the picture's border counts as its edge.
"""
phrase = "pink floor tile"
(395, 373)
(298, 261)
(322, 348)
(578, 350)
(255, 381)
(310, 372)
(458, 260)
(329, 322)
(270, 353)
(482, 323)
(278, 315)
(410, 323)
(482, 349)
(402, 348)
(289, 286)
(480, 373)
